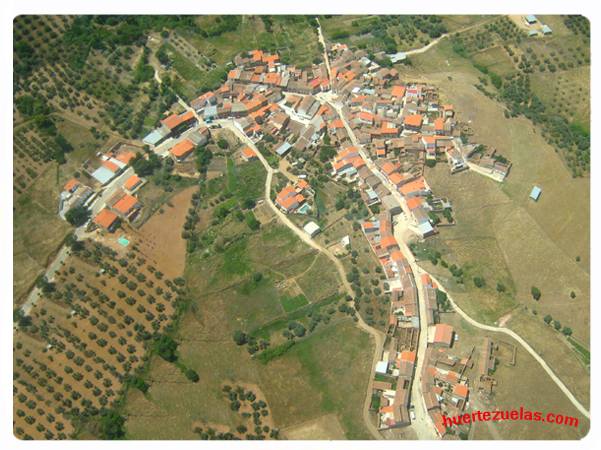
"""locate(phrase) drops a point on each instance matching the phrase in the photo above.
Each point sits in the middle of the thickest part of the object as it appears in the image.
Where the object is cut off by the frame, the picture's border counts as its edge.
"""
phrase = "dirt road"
(522, 342)
(377, 335)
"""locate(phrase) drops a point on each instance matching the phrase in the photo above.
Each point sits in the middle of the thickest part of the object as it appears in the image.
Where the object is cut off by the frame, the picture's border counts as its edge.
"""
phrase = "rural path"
(519, 339)
(377, 335)
(326, 59)
(436, 41)
(422, 424)
(417, 270)
(58, 261)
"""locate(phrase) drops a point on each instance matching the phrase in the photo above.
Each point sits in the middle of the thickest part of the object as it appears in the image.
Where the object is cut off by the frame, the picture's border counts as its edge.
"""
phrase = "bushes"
(166, 348)
(191, 375)
(111, 425)
(479, 282)
(77, 216)
(138, 383)
(274, 352)
(240, 338)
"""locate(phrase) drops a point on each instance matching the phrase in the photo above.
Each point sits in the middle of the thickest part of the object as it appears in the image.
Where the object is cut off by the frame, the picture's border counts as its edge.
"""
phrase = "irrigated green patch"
(291, 303)
(235, 259)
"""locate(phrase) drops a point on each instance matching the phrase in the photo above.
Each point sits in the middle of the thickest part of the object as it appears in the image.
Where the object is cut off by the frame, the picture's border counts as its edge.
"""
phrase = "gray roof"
(210, 111)
(425, 228)
(283, 149)
(154, 137)
(400, 56)
(535, 193)
(103, 175)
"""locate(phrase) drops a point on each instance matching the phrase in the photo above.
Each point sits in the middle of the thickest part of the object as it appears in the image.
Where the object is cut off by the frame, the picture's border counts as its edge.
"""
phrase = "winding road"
(377, 335)
(418, 270)
(579, 406)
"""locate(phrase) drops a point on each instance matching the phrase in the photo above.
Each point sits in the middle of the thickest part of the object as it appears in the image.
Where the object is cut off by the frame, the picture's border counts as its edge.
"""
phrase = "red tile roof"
(461, 390)
(414, 120)
(125, 204)
(414, 202)
(105, 218)
(110, 166)
(398, 91)
(175, 120)
(132, 182)
(71, 184)
(125, 157)
(182, 148)
(248, 153)
(388, 241)
(443, 334)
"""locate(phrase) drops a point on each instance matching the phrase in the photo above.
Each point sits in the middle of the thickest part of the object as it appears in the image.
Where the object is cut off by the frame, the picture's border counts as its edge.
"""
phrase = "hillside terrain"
(300, 227)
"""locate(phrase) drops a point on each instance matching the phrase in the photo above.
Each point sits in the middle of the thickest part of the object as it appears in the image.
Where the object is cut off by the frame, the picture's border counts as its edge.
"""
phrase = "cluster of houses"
(402, 126)
(178, 136)
(488, 161)
(267, 99)
(293, 198)
(121, 206)
(443, 383)
(170, 127)
(398, 359)
(110, 181)
(536, 27)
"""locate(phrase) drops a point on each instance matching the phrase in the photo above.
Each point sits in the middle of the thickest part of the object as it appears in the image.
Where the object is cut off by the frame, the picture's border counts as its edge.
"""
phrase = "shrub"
(535, 293)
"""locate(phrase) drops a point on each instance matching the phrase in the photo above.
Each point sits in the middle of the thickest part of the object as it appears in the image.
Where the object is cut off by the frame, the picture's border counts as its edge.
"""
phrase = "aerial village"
(386, 131)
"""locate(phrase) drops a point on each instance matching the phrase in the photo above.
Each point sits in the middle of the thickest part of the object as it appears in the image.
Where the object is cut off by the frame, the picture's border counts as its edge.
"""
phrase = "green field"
(302, 384)
(291, 303)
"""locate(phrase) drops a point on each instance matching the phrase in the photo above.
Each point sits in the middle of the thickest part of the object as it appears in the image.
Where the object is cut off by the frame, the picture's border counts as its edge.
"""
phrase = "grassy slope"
(37, 210)
(536, 244)
(302, 385)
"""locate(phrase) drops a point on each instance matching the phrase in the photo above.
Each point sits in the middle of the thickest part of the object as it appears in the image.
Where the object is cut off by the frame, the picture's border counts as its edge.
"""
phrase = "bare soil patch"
(323, 428)
(160, 237)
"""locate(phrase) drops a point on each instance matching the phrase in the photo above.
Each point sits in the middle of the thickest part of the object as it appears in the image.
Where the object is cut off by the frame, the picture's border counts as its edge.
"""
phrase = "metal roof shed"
(283, 149)
(311, 228)
(530, 19)
(535, 193)
(103, 175)
(154, 137)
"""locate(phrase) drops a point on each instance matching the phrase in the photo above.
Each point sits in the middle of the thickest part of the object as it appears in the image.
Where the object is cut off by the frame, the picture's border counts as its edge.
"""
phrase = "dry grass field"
(534, 390)
(167, 249)
(502, 235)
(301, 385)
(326, 427)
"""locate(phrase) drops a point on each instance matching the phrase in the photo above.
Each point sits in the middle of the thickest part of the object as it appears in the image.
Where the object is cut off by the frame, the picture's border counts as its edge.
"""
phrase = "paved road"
(417, 271)
(377, 335)
(422, 424)
(369, 162)
(522, 342)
